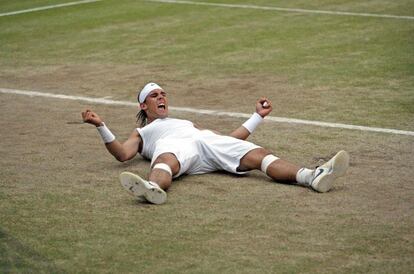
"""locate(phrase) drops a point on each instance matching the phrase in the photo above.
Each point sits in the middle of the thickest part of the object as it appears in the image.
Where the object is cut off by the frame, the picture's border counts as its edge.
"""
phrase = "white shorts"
(205, 152)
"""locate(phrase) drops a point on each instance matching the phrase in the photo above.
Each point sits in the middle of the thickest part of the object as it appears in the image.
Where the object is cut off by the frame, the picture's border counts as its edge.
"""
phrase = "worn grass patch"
(61, 199)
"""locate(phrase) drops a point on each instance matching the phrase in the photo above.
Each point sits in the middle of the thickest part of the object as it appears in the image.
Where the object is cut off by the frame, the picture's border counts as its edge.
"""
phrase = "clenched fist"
(91, 117)
(263, 106)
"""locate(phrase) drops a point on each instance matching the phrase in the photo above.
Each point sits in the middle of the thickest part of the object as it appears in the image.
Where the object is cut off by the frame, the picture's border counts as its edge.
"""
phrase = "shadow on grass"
(17, 258)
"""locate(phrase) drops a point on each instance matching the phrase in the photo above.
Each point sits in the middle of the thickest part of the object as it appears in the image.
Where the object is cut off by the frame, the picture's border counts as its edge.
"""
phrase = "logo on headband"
(146, 90)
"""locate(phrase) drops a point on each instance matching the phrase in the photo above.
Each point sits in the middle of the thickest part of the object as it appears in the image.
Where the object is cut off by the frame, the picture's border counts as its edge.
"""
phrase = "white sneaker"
(140, 188)
(328, 172)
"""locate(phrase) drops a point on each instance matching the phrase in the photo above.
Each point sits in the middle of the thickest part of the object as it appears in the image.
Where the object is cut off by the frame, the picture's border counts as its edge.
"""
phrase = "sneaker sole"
(340, 164)
(135, 186)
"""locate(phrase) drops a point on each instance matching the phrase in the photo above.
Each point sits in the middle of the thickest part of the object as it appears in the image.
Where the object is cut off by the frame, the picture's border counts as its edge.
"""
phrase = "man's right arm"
(121, 151)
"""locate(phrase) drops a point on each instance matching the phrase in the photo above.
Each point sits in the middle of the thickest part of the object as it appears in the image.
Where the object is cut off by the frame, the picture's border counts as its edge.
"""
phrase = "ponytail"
(142, 118)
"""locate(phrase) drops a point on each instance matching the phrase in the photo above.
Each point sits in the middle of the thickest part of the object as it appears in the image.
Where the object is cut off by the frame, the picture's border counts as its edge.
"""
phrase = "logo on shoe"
(320, 171)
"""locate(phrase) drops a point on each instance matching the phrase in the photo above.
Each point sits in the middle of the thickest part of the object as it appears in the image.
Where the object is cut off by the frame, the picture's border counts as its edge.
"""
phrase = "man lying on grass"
(177, 147)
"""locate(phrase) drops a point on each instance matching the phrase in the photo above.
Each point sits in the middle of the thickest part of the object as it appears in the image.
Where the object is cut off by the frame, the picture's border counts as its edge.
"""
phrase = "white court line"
(284, 9)
(207, 112)
(223, 5)
(48, 7)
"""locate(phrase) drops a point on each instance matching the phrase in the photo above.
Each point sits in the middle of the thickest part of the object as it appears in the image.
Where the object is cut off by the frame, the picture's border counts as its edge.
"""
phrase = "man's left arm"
(263, 108)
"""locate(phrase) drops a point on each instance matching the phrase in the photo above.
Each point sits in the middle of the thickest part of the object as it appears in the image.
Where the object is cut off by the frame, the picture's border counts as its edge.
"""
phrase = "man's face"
(156, 105)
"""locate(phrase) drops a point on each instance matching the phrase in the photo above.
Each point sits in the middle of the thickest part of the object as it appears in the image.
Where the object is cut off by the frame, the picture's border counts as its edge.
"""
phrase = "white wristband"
(106, 134)
(253, 122)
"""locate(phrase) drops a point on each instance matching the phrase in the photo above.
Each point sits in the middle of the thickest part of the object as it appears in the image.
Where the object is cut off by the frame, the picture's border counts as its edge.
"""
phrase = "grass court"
(63, 209)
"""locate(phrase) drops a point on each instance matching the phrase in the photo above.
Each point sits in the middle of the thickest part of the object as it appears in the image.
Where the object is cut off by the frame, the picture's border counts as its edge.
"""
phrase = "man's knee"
(253, 159)
(168, 159)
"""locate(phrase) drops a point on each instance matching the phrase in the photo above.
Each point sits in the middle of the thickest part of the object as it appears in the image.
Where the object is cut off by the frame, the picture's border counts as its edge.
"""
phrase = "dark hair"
(142, 118)
(141, 115)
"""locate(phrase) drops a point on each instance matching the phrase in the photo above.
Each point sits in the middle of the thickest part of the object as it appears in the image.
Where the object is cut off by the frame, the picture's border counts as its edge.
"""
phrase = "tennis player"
(177, 147)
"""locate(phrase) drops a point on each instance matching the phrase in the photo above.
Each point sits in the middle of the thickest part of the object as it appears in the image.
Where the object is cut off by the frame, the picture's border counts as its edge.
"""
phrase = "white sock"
(304, 176)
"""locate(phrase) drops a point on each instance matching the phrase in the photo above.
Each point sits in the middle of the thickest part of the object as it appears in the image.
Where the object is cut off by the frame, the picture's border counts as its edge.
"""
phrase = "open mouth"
(161, 106)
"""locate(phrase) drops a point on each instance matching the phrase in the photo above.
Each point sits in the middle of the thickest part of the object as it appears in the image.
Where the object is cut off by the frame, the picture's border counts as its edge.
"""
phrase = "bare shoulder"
(135, 135)
(134, 142)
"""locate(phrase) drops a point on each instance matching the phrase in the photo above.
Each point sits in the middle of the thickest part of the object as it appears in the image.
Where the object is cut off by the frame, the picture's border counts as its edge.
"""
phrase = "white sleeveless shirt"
(163, 129)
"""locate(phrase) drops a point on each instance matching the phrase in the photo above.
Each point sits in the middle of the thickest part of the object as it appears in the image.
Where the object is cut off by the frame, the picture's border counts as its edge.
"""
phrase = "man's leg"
(320, 179)
(160, 178)
(163, 169)
(279, 170)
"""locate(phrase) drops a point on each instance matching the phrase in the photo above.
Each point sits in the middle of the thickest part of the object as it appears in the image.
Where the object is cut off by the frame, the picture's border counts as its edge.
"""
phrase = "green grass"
(367, 63)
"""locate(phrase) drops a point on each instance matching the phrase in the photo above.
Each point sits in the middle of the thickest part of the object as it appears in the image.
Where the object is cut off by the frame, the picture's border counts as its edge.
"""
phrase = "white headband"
(146, 90)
